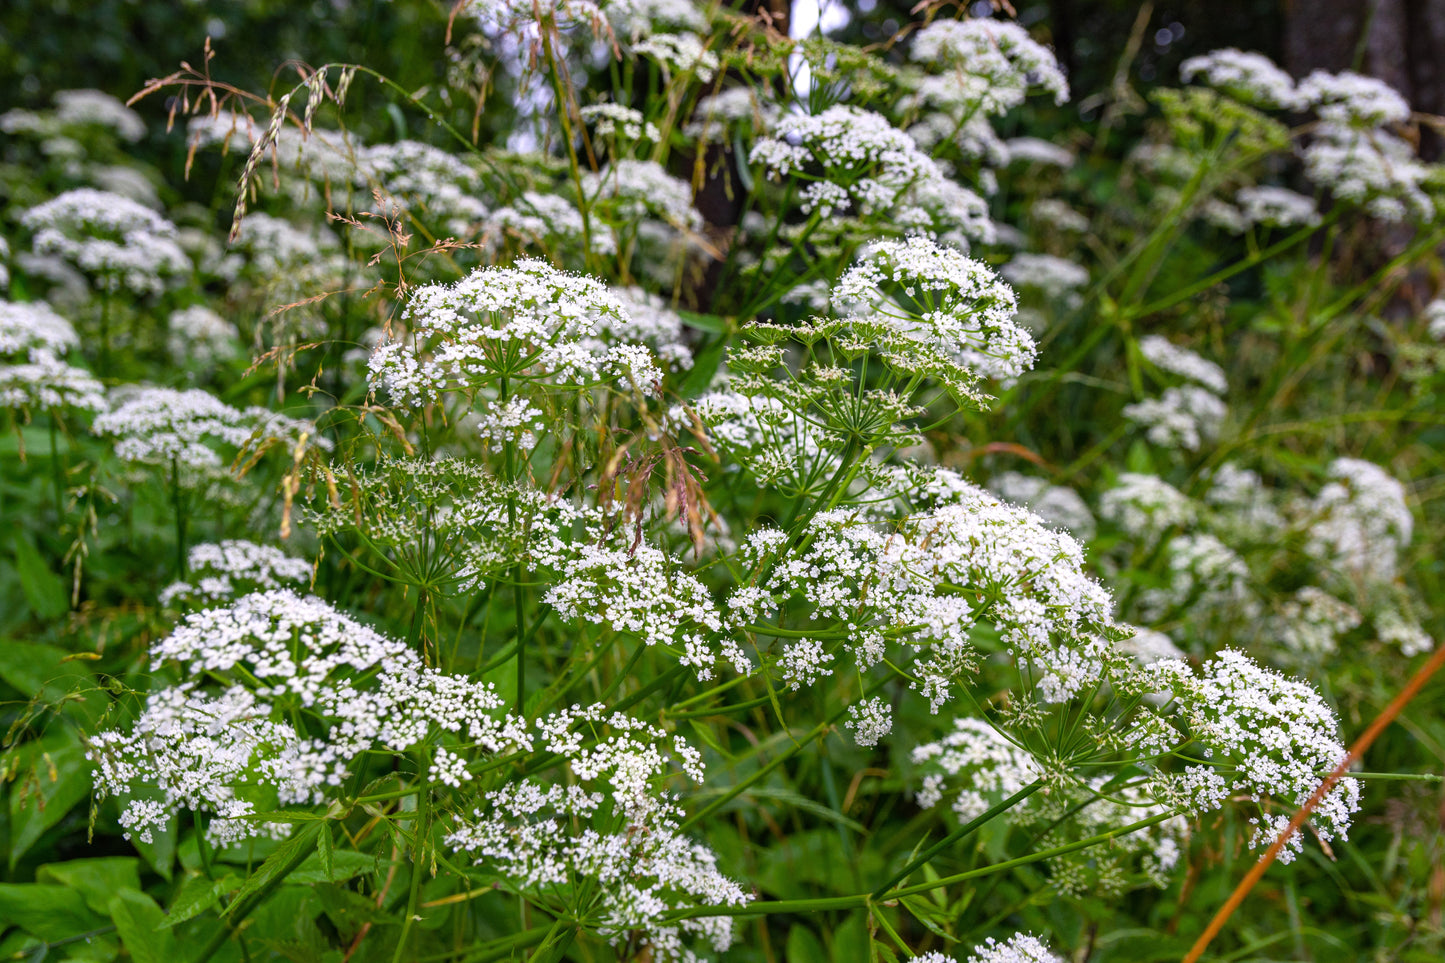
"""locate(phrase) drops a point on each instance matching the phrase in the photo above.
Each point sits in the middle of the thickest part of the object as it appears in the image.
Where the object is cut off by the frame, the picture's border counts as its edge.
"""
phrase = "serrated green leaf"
(195, 895)
(344, 865)
(277, 866)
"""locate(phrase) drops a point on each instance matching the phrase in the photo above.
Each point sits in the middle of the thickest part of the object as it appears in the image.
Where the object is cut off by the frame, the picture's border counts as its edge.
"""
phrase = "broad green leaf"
(47, 911)
(142, 928)
(54, 776)
(96, 880)
(43, 587)
(804, 947)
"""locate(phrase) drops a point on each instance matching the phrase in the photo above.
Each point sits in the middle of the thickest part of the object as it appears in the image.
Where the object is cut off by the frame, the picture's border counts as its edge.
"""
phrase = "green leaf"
(704, 367)
(277, 866)
(804, 947)
(711, 323)
(932, 919)
(96, 880)
(195, 895)
(344, 865)
(142, 928)
(54, 777)
(47, 911)
(43, 587)
(323, 848)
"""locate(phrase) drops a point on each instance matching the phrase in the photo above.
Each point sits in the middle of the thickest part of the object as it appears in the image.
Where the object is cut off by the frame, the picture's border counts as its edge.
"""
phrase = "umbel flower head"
(160, 426)
(116, 241)
(227, 739)
(612, 824)
(916, 291)
(1269, 738)
(527, 328)
(32, 331)
(224, 570)
(998, 64)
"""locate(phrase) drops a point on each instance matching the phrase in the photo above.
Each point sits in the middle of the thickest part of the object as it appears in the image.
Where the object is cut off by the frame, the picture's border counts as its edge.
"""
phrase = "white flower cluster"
(200, 336)
(285, 255)
(1034, 150)
(1373, 168)
(529, 323)
(1403, 633)
(927, 580)
(1057, 278)
(550, 220)
(33, 329)
(608, 578)
(1270, 738)
(33, 339)
(1019, 948)
(638, 18)
(607, 120)
(1207, 578)
(627, 191)
(1353, 100)
(49, 384)
(422, 180)
(77, 108)
(870, 721)
(1056, 504)
(224, 570)
(654, 324)
(225, 740)
(1167, 356)
(1248, 77)
(162, 425)
(679, 53)
(1146, 506)
(977, 762)
(1184, 416)
(857, 152)
(936, 296)
(1277, 207)
(997, 61)
(1310, 623)
(564, 839)
(116, 241)
(717, 115)
(1361, 520)
(980, 767)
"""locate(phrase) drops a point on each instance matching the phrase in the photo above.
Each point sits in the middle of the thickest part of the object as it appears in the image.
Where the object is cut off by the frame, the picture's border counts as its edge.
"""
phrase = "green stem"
(853, 901)
(959, 834)
(421, 830)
